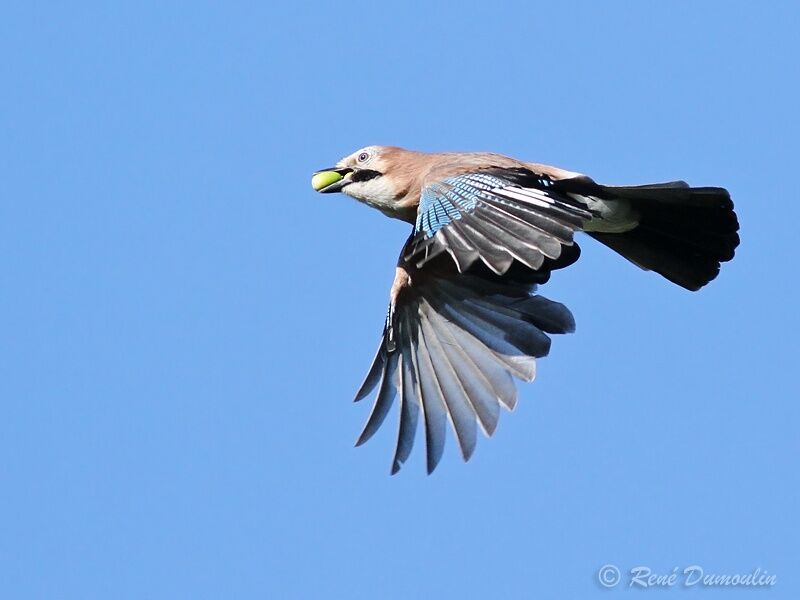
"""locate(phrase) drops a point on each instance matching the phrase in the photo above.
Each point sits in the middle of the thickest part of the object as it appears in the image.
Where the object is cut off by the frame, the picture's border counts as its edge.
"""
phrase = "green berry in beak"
(325, 178)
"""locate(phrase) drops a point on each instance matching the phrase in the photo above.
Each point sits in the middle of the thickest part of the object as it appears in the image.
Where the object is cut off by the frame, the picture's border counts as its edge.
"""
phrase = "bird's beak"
(331, 180)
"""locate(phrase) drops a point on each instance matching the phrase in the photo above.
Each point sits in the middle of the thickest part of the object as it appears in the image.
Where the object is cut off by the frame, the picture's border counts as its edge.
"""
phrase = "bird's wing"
(459, 331)
(451, 345)
(497, 216)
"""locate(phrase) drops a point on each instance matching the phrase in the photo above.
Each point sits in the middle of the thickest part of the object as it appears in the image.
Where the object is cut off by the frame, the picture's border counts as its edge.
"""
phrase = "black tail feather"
(683, 234)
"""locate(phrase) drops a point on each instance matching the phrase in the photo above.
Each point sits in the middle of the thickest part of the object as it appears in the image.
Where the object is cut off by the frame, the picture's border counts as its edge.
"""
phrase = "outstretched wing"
(450, 349)
(459, 331)
(496, 216)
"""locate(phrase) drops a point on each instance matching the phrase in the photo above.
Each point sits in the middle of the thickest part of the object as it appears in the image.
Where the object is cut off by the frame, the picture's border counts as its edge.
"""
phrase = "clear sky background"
(185, 322)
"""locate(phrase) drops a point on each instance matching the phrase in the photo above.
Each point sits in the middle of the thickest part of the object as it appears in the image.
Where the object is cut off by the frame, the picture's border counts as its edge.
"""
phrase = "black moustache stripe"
(364, 175)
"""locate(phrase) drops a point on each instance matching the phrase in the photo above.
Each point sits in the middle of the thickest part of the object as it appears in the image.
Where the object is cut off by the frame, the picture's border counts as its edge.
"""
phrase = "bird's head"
(374, 175)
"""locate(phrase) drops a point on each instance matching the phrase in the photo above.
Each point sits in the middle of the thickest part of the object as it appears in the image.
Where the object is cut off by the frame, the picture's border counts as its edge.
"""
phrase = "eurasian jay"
(463, 319)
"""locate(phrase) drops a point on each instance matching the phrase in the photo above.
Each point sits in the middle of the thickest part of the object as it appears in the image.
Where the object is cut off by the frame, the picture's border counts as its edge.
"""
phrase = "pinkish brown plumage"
(409, 171)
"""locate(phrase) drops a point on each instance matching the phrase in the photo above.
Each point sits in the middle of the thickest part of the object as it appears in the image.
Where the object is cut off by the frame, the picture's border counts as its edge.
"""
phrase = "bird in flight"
(463, 316)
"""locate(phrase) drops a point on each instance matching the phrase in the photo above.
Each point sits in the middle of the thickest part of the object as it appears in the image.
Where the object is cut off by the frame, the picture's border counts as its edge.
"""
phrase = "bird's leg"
(401, 280)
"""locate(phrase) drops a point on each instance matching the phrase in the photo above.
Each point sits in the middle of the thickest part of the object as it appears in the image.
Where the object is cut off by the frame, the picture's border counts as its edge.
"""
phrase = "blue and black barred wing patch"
(496, 217)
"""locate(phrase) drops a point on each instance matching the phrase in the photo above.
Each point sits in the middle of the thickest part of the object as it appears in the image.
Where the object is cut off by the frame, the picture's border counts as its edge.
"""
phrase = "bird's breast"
(385, 197)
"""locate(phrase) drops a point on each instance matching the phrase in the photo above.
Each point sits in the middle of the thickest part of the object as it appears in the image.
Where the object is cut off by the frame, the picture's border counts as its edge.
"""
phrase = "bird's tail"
(684, 233)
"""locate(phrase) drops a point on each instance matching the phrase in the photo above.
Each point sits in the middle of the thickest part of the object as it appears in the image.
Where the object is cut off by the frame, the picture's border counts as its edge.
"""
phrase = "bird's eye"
(363, 156)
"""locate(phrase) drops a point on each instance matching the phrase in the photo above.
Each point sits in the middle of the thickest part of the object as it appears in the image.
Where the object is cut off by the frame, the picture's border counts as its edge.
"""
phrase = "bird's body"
(398, 196)
(463, 318)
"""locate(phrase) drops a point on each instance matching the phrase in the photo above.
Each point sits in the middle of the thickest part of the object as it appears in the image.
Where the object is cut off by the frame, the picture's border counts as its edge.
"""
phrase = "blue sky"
(185, 321)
